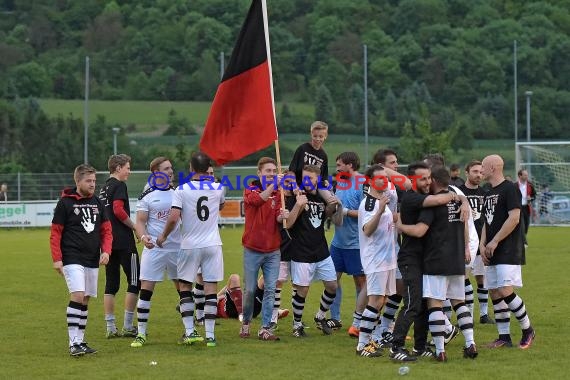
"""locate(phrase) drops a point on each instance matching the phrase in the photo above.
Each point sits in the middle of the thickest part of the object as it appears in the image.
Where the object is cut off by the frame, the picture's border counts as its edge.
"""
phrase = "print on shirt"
(490, 203)
(88, 218)
(311, 159)
(453, 210)
(316, 211)
(476, 204)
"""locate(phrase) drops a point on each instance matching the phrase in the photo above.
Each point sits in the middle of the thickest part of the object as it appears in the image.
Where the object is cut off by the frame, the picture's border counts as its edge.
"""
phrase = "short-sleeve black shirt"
(410, 209)
(498, 202)
(307, 155)
(81, 219)
(123, 239)
(444, 243)
(308, 241)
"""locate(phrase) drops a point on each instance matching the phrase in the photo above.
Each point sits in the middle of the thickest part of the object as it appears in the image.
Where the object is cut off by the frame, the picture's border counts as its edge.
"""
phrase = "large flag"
(242, 117)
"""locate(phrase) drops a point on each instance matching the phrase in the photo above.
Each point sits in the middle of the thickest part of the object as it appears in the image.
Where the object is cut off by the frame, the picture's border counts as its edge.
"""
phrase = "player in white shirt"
(198, 202)
(377, 254)
(153, 209)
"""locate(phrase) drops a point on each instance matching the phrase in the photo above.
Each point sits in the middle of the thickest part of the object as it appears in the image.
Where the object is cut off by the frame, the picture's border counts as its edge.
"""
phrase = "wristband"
(345, 211)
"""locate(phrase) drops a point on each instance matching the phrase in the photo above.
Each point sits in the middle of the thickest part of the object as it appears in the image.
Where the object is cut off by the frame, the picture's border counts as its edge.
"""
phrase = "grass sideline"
(34, 342)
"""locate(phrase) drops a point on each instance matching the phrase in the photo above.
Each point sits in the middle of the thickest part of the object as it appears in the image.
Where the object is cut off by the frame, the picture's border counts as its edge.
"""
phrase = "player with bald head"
(502, 250)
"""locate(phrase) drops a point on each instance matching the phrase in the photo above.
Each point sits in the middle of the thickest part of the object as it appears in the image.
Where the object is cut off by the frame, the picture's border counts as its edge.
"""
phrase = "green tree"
(325, 109)
(419, 140)
(31, 79)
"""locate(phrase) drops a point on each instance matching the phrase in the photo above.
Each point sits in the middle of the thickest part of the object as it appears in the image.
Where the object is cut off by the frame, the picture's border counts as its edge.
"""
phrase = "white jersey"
(200, 204)
(377, 251)
(157, 204)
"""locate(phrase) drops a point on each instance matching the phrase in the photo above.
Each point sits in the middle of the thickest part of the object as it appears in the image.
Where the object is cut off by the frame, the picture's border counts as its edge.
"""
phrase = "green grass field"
(144, 113)
(34, 334)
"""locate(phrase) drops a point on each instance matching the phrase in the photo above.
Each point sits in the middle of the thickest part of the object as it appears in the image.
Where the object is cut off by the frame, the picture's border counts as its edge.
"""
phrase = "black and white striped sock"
(469, 297)
(326, 302)
(483, 298)
(465, 321)
(187, 311)
(367, 323)
(502, 316)
(73, 317)
(210, 310)
(436, 321)
(199, 300)
(516, 305)
(143, 310)
(82, 324)
(298, 307)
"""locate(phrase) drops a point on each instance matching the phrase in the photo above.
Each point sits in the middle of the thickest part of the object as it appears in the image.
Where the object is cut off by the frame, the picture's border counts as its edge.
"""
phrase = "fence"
(26, 188)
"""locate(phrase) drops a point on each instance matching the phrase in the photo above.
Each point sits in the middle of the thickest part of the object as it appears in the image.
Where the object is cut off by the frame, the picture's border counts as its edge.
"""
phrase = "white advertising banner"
(40, 214)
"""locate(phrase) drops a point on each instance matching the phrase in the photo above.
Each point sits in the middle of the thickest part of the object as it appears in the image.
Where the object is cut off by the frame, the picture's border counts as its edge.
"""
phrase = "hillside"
(455, 57)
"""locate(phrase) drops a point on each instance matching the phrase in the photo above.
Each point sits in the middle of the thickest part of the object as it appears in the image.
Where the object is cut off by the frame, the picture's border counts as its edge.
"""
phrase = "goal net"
(548, 166)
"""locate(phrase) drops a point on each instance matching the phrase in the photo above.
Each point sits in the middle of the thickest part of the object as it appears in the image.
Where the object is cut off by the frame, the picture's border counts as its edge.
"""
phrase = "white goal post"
(548, 166)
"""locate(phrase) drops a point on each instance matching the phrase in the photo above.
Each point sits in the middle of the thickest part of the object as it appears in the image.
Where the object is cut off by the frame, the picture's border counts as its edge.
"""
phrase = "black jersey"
(476, 197)
(410, 210)
(307, 155)
(81, 220)
(123, 239)
(498, 202)
(444, 243)
(308, 241)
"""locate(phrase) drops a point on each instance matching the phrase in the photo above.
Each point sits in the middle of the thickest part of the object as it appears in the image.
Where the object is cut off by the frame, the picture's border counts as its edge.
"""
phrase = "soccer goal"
(548, 166)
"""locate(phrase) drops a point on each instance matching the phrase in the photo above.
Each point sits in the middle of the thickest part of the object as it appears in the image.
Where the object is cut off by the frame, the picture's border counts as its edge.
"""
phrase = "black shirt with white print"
(444, 243)
(308, 241)
(476, 198)
(81, 219)
(498, 202)
(307, 155)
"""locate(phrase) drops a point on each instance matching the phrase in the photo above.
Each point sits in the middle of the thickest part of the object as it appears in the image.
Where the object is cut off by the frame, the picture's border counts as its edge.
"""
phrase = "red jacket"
(261, 232)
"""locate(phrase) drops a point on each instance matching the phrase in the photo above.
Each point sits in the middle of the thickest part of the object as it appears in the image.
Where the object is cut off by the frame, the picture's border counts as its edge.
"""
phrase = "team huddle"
(414, 238)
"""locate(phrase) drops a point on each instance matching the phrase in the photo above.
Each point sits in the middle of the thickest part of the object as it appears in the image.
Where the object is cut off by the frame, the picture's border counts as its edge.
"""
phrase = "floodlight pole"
(115, 131)
(86, 113)
(516, 107)
(365, 67)
(528, 96)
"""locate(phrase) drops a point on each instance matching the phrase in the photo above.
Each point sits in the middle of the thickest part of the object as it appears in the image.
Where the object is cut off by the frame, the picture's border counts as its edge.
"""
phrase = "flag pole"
(277, 151)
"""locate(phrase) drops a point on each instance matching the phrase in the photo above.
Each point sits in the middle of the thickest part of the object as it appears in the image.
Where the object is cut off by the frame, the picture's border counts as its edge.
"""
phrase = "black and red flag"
(242, 117)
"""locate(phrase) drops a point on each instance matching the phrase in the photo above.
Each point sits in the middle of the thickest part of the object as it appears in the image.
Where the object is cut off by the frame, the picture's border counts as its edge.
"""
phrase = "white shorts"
(381, 283)
(498, 276)
(478, 268)
(444, 287)
(284, 271)
(210, 259)
(81, 279)
(155, 261)
(303, 274)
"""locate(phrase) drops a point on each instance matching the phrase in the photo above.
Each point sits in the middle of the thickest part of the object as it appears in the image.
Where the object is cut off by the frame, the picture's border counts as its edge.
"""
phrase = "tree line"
(453, 57)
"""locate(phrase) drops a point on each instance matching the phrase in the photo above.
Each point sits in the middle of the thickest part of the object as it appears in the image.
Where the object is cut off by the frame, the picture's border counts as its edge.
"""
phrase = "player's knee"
(133, 288)
(331, 287)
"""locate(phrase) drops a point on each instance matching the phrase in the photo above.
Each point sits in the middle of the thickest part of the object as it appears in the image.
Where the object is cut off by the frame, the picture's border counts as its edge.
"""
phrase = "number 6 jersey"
(200, 202)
